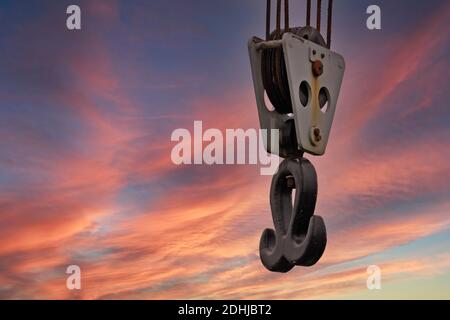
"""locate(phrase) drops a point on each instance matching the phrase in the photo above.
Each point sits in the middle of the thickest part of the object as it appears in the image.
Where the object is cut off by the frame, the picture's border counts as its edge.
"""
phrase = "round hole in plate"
(324, 99)
(305, 93)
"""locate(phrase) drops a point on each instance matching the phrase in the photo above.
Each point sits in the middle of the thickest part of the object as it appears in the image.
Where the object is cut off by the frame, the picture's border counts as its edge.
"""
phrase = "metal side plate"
(269, 119)
(299, 55)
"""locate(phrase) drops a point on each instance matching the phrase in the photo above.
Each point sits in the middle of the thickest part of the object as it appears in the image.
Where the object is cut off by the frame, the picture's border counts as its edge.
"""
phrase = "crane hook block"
(301, 78)
(314, 75)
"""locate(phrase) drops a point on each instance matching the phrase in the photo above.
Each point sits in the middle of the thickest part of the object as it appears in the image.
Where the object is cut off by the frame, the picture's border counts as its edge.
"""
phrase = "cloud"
(408, 52)
(89, 180)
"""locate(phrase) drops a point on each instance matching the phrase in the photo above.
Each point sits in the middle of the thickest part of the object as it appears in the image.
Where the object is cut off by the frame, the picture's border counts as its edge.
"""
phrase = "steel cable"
(273, 66)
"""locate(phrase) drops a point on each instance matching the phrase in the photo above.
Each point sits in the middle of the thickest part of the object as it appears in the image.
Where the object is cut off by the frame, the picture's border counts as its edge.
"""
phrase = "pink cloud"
(407, 54)
(199, 239)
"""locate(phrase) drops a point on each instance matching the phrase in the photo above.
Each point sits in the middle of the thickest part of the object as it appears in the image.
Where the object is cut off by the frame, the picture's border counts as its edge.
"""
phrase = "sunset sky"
(86, 177)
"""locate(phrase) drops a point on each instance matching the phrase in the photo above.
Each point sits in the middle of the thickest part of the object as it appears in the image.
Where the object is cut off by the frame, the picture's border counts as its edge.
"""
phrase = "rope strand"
(329, 23)
(308, 13)
(268, 14)
(278, 25)
(319, 14)
(286, 15)
(308, 17)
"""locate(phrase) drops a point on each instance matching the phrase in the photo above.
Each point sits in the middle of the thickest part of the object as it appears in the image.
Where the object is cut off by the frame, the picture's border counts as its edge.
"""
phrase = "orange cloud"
(198, 236)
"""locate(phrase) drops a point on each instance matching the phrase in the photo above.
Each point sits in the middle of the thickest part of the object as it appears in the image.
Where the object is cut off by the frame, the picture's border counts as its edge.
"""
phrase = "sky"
(86, 176)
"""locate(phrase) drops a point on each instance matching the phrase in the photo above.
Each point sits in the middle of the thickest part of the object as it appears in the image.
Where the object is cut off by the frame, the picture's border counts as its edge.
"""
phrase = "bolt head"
(317, 68)
(316, 132)
(315, 136)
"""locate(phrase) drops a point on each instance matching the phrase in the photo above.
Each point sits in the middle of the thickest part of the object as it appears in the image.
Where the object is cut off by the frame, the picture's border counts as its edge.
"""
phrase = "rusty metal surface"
(317, 68)
(274, 72)
(273, 80)
(300, 56)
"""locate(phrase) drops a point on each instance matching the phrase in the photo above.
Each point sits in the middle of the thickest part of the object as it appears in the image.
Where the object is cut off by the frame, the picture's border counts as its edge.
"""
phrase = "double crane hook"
(299, 237)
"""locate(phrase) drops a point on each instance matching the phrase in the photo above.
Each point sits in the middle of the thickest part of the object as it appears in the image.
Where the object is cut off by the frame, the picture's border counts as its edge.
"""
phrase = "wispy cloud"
(88, 180)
